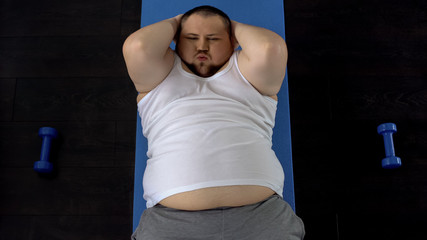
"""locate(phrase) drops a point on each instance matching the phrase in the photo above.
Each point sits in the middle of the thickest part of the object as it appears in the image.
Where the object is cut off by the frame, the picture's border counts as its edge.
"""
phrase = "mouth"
(202, 57)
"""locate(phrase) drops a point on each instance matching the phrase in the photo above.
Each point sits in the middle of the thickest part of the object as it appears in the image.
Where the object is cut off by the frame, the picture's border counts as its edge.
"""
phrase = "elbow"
(274, 61)
(271, 54)
(135, 46)
(275, 50)
(274, 56)
(132, 45)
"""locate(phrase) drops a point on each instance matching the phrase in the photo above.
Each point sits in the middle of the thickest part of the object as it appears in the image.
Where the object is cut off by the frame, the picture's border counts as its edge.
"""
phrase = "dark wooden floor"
(352, 65)
(61, 66)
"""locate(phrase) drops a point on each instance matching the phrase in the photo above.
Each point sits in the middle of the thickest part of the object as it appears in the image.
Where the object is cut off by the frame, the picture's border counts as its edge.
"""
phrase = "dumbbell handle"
(45, 151)
(388, 143)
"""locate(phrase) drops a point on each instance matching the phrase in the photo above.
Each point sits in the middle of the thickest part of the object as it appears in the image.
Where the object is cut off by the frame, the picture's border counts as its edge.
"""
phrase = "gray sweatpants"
(270, 219)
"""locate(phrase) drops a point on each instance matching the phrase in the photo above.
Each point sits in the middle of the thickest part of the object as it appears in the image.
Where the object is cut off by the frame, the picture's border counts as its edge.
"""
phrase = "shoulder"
(147, 71)
(267, 69)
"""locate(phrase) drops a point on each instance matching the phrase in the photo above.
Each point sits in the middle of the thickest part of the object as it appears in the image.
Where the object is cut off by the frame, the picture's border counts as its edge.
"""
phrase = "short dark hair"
(205, 11)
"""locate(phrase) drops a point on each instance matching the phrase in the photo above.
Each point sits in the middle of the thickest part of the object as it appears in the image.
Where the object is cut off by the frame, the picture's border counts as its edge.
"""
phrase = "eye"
(191, 38)
(213, 39)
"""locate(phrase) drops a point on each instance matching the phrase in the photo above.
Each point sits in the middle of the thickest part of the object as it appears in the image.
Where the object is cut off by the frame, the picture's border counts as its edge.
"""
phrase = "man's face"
(204, 44)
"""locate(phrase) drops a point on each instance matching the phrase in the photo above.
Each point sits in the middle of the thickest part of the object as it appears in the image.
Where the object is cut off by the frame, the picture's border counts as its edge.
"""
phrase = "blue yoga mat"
(268, 14)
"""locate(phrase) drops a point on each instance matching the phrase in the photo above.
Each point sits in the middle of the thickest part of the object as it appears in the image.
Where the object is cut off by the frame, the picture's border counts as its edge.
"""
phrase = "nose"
(202, 45)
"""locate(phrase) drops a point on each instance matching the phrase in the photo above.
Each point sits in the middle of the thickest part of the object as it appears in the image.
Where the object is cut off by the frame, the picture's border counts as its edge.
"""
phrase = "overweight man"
(207, 111)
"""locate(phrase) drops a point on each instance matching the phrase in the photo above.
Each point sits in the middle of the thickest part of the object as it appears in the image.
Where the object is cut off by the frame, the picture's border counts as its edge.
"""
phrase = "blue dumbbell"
(44, 166)
(390, 161)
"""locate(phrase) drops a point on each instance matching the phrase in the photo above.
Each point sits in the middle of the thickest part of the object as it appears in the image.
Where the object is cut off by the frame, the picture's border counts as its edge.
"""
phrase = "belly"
(208, 198)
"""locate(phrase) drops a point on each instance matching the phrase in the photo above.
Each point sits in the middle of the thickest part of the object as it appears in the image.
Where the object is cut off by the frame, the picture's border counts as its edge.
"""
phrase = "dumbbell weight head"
(391, 162)
(48, 131)
(386, 127)
(43, 167)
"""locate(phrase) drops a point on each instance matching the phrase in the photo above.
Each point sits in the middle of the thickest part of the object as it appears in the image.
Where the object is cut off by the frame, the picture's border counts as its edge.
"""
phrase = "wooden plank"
(125, 143)
(311, 38)
(131, 16)
(60, 18)
(315, 170)
(65, 227)
(411, 141)
(379, 192)
(320, 224)
(75, 99)
(47, 57)
(382, 39)
(7, 96)
(311, 149)
(74, 191)
(384, 98)
(369, 225)
(19, 144)
(357, 38)
(309, 99)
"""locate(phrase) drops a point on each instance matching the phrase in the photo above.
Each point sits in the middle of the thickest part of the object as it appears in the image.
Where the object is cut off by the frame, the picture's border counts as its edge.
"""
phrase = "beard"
(202, 69)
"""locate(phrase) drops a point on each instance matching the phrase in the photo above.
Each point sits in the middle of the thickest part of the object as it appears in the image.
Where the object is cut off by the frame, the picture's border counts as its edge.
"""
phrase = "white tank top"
(207, 132)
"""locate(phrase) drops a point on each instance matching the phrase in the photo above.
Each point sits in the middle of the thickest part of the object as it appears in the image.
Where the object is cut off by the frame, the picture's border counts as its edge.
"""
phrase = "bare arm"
(263, 58)
(147, 54)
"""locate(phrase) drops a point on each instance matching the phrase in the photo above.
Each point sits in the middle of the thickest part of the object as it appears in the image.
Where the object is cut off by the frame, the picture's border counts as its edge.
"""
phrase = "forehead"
(198, 23)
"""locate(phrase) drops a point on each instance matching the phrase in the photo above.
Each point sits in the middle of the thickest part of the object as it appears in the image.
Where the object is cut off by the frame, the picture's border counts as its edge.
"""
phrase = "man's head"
(204, 40)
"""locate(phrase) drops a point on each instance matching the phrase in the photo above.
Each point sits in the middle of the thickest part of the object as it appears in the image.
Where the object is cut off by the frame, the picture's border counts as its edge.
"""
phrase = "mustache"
(204, 52)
